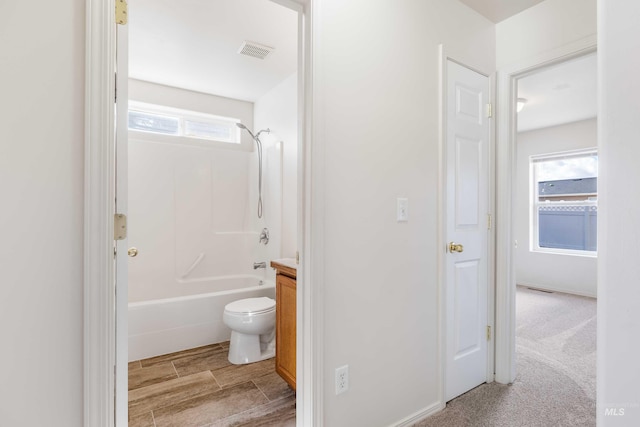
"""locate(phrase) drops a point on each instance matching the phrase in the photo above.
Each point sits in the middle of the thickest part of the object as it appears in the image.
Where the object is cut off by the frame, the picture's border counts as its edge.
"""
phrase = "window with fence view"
(565, 205)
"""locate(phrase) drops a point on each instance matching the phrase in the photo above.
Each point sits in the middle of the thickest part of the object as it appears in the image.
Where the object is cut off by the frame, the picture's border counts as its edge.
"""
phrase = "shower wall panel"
(192, 215)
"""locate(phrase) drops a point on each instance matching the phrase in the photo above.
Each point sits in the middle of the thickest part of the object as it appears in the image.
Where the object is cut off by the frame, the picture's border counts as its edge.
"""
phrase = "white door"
(122, 288)
(467, 180)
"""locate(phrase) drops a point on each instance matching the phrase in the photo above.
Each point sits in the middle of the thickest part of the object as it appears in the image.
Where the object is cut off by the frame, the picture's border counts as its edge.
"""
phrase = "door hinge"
(121, 12)
(489, 222)
(297, 257)
(489, 110)
(488, 333)
(119, 227)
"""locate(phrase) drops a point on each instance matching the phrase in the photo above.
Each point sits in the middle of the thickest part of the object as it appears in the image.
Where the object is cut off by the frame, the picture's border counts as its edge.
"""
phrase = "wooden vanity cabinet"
(286, 323)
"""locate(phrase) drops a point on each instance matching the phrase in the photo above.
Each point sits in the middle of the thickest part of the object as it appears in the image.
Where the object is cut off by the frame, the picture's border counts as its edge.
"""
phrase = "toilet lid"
(251, 305)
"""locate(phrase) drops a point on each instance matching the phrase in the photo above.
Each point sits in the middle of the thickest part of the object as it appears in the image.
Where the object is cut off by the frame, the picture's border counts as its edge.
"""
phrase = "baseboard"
(556, 289)
(420, 415)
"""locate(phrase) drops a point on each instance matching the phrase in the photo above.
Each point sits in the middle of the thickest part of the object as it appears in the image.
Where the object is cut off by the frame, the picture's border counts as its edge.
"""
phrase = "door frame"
(444, 56)
(99, 208)
(506, 150)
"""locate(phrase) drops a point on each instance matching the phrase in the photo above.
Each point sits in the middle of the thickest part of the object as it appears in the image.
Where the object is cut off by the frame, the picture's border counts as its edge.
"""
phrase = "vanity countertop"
(285, 265)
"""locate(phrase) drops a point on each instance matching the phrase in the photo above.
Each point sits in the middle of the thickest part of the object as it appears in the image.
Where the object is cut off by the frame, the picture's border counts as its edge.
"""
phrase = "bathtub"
(168, 325)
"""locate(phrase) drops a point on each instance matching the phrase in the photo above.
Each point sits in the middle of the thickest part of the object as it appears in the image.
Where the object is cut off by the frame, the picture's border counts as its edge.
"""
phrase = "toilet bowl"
(252, 322)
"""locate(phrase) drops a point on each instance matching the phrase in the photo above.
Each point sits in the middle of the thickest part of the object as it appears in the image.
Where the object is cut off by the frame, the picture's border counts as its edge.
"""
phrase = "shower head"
(256, 136)
(241, 126)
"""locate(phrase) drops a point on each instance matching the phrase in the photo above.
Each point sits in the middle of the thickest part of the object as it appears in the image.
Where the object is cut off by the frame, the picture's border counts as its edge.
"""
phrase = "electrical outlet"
(342, 379)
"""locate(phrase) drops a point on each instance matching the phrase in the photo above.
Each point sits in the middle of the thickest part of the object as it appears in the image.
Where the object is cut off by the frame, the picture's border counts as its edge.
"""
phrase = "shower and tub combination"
(192, 214)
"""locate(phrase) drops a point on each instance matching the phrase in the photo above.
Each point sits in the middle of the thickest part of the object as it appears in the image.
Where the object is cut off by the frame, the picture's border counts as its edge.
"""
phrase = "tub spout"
(257, 265)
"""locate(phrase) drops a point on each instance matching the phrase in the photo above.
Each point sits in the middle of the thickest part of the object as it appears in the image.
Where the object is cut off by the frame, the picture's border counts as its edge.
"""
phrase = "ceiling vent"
(256, 50)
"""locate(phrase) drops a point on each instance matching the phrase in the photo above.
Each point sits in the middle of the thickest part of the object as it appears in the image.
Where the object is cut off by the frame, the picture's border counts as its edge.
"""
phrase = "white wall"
(559, 272)
(41, 183)
(618, 226)
(278, 111)
(376, 125)
(542, 28)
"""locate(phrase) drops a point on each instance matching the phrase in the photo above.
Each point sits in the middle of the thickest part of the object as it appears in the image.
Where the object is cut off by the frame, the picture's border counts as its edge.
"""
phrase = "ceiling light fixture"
(520, 104)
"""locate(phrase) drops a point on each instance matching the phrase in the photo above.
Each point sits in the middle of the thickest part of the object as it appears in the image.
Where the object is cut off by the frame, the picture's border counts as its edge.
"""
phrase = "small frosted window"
(182, 123)
(219, 131)
(148, 122)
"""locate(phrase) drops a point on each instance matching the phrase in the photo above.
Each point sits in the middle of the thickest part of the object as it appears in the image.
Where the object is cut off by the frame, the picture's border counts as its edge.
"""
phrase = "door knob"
(455, 247)
(132, 252)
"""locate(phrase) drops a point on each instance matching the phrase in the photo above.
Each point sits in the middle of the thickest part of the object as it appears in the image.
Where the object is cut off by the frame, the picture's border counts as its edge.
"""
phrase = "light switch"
(403, 209)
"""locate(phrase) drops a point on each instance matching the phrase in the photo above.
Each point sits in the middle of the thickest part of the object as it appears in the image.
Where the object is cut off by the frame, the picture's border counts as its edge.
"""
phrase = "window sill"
(569, 252)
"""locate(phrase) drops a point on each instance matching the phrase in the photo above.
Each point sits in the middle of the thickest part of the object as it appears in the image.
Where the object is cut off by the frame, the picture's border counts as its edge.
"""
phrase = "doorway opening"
(506, 170)
(506, 197)
(212, 170)
(555, 223)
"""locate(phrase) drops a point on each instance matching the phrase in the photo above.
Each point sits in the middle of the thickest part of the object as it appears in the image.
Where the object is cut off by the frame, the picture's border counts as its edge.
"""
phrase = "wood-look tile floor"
(200, 388)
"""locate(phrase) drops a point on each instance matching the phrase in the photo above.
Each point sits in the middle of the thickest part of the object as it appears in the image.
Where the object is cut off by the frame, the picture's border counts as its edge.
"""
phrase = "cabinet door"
(286, 329)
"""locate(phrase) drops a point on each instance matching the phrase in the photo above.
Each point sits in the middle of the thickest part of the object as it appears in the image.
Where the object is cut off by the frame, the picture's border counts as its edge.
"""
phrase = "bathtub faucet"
(257, 265)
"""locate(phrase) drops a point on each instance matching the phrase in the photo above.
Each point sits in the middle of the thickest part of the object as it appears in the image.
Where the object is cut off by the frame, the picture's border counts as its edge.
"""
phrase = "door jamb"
(99, 207)
(441, 242)
(505, 368)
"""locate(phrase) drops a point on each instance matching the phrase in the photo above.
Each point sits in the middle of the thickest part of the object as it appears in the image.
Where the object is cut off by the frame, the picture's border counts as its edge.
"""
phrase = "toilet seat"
(251, 306)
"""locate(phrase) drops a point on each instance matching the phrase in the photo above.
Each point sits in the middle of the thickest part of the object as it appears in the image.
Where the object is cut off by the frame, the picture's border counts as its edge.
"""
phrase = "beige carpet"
(556, 363)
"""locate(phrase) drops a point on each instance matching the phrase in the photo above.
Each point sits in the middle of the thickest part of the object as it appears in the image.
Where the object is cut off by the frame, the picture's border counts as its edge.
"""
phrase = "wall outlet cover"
(342, 379)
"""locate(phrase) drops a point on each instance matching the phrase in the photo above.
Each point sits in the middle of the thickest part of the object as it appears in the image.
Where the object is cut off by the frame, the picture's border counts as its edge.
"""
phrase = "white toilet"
(252, 322)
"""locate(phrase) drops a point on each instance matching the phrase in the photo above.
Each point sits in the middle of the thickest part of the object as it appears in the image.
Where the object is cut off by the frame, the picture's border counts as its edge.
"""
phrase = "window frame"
(535, 203)
(183, 116)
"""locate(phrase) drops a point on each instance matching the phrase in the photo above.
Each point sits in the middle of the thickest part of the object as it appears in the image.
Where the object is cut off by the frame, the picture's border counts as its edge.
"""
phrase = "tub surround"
(286, 273)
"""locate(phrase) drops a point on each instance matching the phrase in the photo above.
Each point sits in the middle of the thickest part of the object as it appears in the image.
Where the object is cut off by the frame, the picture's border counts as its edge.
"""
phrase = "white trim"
(441, 221)
(491, 238)
(313, 202)
(505, 173)
(563, 155)
(558, 251)
(504, 331)
(420, 415)
(309, 334)
(99, 297)
(121, 172)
